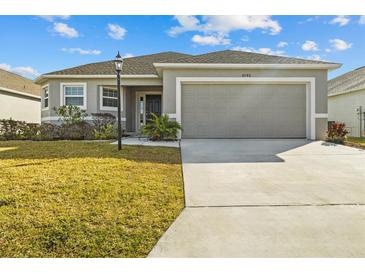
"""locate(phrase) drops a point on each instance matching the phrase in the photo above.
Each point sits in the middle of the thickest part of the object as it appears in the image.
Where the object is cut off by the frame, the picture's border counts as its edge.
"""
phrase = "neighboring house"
(224, 94)
(19, 98)
(346, 98)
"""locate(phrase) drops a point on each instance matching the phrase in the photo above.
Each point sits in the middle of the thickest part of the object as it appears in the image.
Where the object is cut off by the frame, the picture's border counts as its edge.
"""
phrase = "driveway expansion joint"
(283, 205)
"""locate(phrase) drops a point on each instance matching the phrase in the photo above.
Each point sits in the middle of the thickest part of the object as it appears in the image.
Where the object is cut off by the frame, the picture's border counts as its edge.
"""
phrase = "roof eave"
(345, 92)
(161, 66)
(20, 93)
(43, 77)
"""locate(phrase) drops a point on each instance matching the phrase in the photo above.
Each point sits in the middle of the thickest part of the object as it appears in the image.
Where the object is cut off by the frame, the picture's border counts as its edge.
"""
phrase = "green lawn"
(86, 199)
(357, 140)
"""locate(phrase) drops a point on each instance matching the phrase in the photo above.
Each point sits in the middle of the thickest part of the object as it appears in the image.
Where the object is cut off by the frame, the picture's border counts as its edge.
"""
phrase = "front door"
(153, 105)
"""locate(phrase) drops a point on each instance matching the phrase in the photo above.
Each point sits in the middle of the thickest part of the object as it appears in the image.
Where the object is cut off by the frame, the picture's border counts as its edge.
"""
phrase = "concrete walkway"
(135, 141)
(269, 198)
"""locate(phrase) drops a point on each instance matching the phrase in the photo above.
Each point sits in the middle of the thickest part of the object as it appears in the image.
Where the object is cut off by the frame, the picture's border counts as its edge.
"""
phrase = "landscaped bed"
(355, 142)
(86, 199)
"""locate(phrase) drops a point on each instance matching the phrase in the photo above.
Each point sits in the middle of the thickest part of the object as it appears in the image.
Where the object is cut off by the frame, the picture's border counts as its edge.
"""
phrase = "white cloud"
(362, 20)
(5, 67)
(26, 71)
(260, 50)
(52, 18)
(224, 24)
(128, 55)
(210, 40)
(282, 44)
(116, 32)
(338, 44)
(245, 38)
(310, 46)
(187, 23)
(309, 20)
(65, 31)
(316, 57)
(341, 20)
(82, 51)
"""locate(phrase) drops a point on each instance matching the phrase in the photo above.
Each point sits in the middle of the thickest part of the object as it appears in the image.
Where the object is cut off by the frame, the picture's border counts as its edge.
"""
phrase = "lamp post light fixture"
(118, 68)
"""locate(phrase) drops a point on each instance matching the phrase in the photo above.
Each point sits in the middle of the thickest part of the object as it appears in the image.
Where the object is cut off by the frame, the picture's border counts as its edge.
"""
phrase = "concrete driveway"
(269, 198)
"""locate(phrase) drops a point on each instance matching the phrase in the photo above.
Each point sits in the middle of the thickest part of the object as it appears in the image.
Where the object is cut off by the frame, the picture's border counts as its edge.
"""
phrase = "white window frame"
(43, 97)
(73, 84)
(101, 99)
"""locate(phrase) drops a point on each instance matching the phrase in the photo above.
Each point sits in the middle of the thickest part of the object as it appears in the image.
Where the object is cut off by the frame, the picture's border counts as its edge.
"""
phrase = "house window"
(108, 98)
(74, 95)
(45, 91)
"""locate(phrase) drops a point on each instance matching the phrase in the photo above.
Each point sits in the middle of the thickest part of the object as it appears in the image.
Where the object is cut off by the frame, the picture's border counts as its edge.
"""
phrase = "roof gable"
(18, 83)
(244, 57)
(350, 81)
(138, 65)
(144, 65)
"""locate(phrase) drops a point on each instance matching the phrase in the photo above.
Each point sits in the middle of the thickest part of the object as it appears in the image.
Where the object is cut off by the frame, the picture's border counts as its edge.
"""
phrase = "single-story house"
(224, 94)
(346, 100)
(19, 98)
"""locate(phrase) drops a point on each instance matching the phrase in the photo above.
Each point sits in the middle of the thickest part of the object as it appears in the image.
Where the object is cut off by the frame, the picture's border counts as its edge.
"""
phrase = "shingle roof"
(144, 64)
(353, 80)
(16, 82)
(131, 66)
(243, 57)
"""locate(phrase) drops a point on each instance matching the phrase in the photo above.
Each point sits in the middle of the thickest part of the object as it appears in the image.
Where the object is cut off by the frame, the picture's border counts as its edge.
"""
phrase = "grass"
(356, 142)
(86, 199)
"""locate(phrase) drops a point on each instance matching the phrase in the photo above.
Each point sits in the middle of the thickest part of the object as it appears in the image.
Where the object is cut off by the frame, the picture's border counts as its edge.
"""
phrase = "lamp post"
(118, 68)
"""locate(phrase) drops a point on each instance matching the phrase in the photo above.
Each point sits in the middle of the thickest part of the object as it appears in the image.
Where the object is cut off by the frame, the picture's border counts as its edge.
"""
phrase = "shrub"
(10, 129)
(77, 131)
(19, 130)
(30, 131)
(161, 128)
(70, 114)
(337, 132)
(48, 132)
(104, 126)
(101, 120)
(108, 132)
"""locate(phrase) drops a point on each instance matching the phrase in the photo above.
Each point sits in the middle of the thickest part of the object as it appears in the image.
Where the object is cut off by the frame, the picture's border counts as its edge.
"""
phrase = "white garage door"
(243, 111)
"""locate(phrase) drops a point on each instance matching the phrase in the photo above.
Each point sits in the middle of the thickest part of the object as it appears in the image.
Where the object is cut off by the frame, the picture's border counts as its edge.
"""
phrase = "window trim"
(101, 99)
(43, 98)
(73, 84)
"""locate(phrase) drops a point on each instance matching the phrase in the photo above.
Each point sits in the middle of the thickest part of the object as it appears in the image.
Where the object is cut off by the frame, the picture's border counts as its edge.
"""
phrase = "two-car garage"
(235, 110)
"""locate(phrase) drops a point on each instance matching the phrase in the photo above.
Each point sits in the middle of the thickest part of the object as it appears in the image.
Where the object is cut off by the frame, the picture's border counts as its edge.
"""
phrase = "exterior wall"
(169, 85)
(279, 111)
(321, 128)
(93, 96)
(342, 108)
(131, 103)
(19, 107)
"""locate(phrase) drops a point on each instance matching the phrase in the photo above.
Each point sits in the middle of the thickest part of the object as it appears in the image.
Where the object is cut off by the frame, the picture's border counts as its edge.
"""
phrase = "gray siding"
(169, 85)
(169, 81)
(19, 107)
(244, 111)
(93, 95)
(342, 108)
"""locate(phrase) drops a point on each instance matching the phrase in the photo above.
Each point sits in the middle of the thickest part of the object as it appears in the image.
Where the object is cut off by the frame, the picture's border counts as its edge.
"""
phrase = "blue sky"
(32, 45)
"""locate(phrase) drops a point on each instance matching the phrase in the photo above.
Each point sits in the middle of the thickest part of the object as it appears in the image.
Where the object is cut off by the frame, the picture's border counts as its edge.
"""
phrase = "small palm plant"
(161, 128)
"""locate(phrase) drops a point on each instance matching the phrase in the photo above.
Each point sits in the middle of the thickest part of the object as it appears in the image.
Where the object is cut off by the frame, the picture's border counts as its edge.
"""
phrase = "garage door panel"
(243, 111)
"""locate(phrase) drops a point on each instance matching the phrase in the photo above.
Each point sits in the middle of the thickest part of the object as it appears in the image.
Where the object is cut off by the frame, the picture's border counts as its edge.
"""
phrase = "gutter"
(330, 67)
(345, 92)
(20, 93)
(96, 76)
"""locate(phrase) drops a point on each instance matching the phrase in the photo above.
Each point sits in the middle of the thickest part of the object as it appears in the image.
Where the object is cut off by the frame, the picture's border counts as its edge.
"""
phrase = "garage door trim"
(308, 81)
